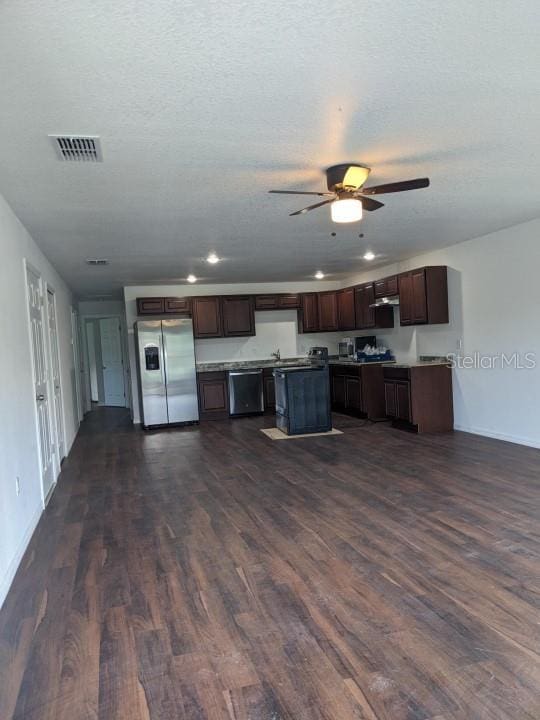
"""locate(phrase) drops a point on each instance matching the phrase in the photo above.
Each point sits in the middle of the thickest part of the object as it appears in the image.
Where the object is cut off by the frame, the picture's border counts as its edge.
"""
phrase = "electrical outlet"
(17, 485)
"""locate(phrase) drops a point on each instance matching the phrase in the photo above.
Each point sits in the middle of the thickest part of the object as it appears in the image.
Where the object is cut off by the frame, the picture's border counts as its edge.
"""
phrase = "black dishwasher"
(303, 400)
(246, 392)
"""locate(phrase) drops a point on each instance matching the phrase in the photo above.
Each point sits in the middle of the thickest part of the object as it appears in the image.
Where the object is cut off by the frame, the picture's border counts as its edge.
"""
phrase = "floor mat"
(277, 434)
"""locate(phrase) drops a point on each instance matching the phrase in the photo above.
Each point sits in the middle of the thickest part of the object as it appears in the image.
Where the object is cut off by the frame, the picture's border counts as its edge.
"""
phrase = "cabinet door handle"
(40, 397)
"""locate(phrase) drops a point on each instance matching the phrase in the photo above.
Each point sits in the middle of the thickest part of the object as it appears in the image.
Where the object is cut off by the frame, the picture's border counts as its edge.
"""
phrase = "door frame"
(125, 354)
(28, 266)
(77, 356)
(50, 289)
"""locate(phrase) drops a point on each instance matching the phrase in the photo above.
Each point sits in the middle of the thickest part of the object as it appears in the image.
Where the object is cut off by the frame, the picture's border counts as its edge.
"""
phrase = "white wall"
(274, 328)
(18, 439)
(494, 308)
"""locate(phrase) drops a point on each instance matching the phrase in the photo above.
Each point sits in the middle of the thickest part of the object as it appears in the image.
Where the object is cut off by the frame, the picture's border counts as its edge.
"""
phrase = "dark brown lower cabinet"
(420, 397)
(397, 399)
(213, 395)
(357, 389)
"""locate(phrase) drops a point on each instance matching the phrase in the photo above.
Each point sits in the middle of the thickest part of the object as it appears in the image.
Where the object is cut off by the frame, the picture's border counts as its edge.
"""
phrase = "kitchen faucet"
(276, 354)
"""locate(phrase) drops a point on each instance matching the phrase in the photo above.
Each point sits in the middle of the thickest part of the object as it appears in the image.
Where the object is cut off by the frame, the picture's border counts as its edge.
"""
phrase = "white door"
(113, 367)
(55, 374)
(39, 363)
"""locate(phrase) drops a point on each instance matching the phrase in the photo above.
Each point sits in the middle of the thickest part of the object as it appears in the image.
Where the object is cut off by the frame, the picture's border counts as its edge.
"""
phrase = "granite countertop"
(295, 362)
(421, 362)
(337, 361)
(250, 364)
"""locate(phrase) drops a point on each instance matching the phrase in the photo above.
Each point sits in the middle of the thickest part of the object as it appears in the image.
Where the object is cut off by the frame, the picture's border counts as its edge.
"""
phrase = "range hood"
(384, 301)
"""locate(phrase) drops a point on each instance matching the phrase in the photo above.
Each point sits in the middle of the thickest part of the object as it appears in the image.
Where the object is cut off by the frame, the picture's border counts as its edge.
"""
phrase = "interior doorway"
(105, 354)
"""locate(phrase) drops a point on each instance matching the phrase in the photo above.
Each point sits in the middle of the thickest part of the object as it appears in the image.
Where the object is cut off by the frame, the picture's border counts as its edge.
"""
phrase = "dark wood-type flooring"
(211, 573)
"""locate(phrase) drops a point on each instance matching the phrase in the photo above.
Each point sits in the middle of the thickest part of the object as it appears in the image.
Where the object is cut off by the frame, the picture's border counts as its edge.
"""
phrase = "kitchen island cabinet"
(358, 389)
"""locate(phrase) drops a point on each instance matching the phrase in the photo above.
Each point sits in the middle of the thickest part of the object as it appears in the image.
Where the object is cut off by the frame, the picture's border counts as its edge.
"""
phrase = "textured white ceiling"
(203, 106)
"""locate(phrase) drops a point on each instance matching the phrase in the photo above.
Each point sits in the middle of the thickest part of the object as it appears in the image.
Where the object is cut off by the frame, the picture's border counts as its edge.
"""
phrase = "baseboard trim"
(13, 566)
(516, 439)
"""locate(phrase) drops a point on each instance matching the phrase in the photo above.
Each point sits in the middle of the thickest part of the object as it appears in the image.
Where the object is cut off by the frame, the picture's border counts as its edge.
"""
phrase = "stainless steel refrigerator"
(167, 375)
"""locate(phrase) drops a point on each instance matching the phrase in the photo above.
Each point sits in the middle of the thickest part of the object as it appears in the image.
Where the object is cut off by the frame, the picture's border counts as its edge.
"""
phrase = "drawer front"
(397, 373)
(345, 369)
(212, 375)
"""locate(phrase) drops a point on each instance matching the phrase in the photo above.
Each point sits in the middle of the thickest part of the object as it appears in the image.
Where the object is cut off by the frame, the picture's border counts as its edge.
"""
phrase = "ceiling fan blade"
(311, 207)
(396, 187)
(299, 192)
(369, 204)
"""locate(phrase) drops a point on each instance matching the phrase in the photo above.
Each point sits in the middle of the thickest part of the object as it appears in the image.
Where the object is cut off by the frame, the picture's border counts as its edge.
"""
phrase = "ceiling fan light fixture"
(355, 176)
(346, 211)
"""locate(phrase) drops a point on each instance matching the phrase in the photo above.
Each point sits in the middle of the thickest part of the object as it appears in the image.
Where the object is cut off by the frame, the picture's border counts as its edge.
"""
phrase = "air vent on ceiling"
(77, 148)
(96, 261)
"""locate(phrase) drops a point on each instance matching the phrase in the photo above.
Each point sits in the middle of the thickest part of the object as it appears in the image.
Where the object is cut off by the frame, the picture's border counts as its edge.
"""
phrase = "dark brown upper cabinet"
(368, 317)
(178, 305)
(238, 315)
(328, 311)
(289, 301)
(364, 297)
(309, 313)
(423, 296)
(207, 320)
(266, 302)
(161, 306)
(346, 310)
(150, 306)
(385, 287)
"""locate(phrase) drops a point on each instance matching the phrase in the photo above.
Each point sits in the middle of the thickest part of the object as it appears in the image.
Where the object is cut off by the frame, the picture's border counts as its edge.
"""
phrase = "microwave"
(348, 347)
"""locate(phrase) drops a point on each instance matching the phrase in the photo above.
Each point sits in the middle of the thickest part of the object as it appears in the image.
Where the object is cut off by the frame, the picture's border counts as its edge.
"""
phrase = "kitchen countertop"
(337, 361)
(295, 362)
(250, 364)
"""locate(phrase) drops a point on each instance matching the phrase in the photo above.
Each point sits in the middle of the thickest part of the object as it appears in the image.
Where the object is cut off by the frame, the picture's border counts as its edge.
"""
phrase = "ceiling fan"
(348, 196)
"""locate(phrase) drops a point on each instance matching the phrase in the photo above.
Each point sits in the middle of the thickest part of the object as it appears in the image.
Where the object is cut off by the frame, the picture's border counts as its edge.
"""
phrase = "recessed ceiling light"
(213, 258)
(191, 279)
(369, 255)
(319, 275)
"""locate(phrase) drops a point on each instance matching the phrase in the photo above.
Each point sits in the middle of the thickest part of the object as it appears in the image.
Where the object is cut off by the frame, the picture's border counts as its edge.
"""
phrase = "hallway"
(213, 573)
